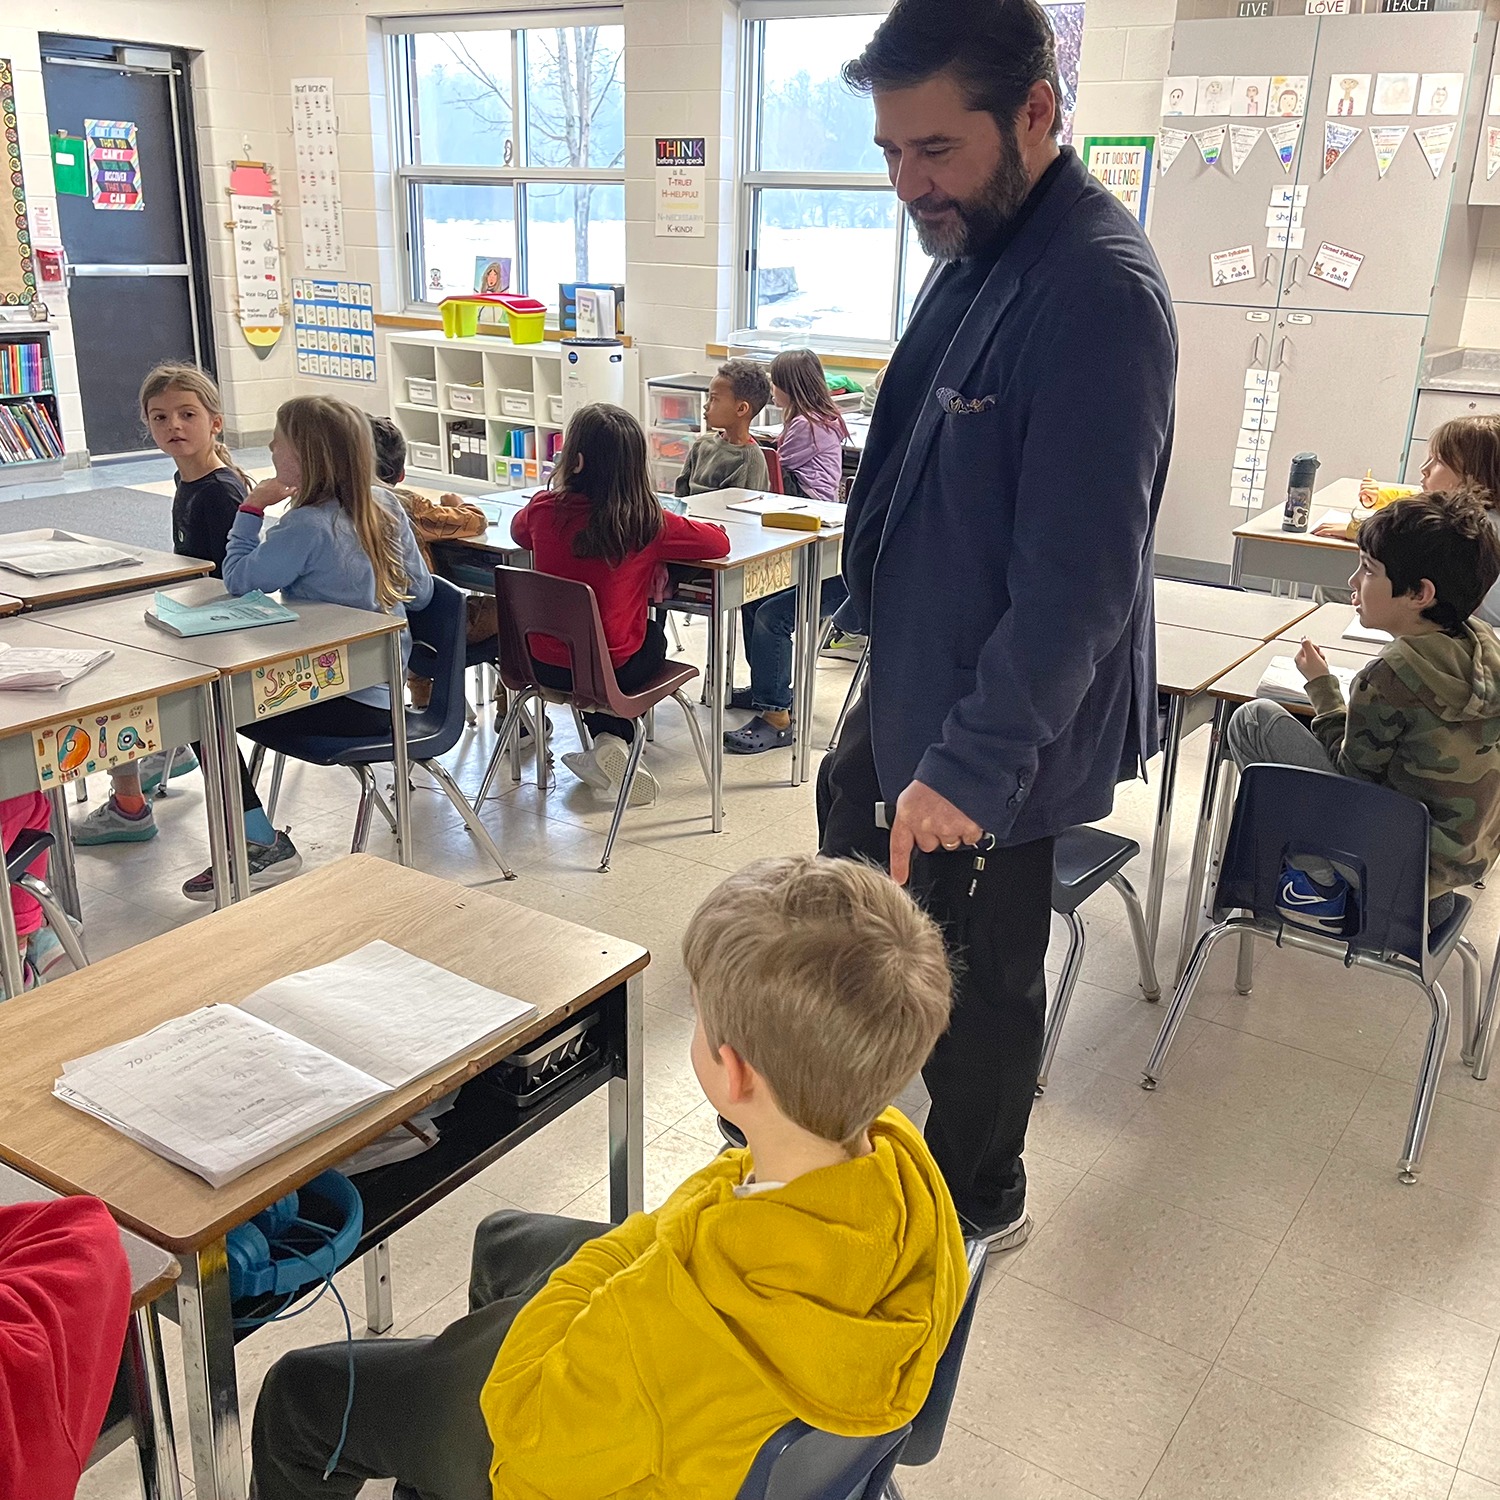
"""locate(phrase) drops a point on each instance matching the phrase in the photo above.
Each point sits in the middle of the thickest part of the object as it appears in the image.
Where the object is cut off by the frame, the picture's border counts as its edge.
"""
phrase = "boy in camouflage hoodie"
(1423, 717)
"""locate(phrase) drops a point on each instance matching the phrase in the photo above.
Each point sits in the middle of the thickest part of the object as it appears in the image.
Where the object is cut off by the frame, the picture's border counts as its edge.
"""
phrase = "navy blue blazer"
(1010, 616)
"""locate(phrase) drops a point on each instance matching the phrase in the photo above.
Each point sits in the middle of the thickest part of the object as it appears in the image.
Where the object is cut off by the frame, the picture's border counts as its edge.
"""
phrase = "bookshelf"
(463, 404)
(30, 425)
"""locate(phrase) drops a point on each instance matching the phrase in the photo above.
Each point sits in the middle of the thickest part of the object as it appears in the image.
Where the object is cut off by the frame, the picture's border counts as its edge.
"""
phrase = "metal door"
(1202, 209)
(1397, 222)
(1219, 347)
(131, 273)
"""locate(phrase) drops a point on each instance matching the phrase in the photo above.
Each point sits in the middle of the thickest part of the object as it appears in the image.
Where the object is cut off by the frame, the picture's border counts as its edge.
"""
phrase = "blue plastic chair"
(438, 651)
(1381, 839)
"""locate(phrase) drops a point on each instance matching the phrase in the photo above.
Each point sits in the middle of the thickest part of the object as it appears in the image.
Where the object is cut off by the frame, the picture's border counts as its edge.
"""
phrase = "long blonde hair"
(333, 445)
(200, 385)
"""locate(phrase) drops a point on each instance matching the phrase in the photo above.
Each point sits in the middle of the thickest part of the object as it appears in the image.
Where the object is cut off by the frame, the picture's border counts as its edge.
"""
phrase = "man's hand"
(1311, 662)
(928, 820)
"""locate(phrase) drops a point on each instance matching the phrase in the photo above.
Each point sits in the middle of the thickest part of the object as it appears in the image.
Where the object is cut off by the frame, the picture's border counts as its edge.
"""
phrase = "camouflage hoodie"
(1424, 719)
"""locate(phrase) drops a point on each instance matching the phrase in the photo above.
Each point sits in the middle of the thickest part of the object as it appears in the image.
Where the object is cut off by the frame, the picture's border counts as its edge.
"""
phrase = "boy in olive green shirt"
(727, 457)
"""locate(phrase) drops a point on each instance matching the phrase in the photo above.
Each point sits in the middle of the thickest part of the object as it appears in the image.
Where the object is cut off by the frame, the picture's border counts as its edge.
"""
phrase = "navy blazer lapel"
(979, 324)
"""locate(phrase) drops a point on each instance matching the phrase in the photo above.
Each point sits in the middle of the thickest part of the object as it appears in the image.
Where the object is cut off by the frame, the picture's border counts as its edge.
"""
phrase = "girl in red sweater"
(604, 526)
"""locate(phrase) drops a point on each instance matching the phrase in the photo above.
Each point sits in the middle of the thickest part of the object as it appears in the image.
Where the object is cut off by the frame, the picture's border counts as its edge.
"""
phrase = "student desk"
(1227, 693)
(139, 1407)
(372, 645)
(154, 570)
(184, 699)
(1325, 628)
(1201, 606)
(1263, 550)
(562, 969)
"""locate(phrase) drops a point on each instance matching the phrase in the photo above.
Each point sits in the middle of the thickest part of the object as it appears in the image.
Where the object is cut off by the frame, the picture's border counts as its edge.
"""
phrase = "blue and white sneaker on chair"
(153, 765)
(1312, 904)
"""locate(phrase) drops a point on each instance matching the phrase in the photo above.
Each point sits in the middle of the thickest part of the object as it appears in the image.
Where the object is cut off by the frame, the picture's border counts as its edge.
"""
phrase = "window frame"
(409, 176)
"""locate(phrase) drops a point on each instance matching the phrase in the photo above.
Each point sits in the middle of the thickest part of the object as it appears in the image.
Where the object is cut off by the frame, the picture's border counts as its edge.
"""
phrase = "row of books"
(23, 369)
(27, 432)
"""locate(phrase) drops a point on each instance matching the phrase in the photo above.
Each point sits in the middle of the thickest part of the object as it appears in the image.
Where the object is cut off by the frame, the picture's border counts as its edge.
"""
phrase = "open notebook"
(40, 668)
(58, 554)
(226, 1088)
(1282, 682)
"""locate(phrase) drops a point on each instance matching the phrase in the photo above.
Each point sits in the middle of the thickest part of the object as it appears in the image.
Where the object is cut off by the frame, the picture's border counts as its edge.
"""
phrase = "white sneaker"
(612, 755)
(587, 769)
(1003, 1236)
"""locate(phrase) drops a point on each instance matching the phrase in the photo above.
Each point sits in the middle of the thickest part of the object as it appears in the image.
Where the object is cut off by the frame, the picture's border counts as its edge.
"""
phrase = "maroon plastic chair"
(532, 604)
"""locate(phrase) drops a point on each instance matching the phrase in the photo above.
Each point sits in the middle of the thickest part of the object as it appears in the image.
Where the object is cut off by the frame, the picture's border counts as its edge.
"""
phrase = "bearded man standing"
(998, 547)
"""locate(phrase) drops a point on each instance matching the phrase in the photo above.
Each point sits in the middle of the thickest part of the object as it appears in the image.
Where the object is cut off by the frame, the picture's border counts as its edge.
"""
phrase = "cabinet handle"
(1296, 270)
(1282, 352)
(1270, 272)
(1255, 354)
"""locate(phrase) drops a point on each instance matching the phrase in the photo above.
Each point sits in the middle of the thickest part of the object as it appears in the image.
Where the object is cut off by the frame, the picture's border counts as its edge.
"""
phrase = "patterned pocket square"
(957, 403)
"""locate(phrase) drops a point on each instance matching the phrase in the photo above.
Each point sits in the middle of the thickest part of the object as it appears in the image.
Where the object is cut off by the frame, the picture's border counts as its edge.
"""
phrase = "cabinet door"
(1200, 209)
(1397, 222)
(1217, 347)
(1347, 386)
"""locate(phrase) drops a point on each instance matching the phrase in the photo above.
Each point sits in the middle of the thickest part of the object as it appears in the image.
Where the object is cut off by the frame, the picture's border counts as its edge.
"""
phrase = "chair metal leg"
(856, 682)
(1182, 996)
(1057, 1012)
(651, 724)
(471, 719)
(1427, 1085)
(166, 770)
(379, 802)
(1145, 958)
(695, 730)
(278, 770)
(57, 918)
(502, 744)
(637, 749)
(672, 626)
(439, 773)
(1487, 1015)
(1468, 1041)
(584, 737)
(366, 807)
(256, 761)
(1244, 965)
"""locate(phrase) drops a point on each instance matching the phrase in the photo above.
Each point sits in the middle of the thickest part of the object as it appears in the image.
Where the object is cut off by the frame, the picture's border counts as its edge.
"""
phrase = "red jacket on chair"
(64, 1304)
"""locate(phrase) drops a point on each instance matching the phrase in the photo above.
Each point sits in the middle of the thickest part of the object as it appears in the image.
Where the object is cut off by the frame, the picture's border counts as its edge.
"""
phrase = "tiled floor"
(1228, 1295)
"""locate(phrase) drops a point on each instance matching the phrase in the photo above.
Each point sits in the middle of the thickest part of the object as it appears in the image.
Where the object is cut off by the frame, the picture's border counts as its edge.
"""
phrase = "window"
(828, 251)
(510, 139)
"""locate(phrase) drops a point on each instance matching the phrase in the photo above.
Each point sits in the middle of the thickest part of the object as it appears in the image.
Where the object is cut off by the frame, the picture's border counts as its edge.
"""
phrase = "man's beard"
(980, 221)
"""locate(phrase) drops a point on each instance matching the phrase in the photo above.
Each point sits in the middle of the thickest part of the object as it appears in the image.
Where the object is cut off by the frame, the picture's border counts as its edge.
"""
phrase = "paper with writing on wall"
(1491, 151)
(1395, 93)
(315, 136)
(1284, 138)
(1286, 237)
(1386, 139)
(1229, 266)
(1248, 95)
(1288, 96)
(1169, 144)
(1435, 141)
(297, 681)
(1247, 499)
(1268, 381)
(1348, 94)
(1215, 93)
(1247, 477)
(1337, 139)
(1289, 197)
(1258, 419)
(1242, 139)
(1257, 400)
(1336, 265)
(1179, 96)
(86, 743)
(1210, 144)
(1440, 93)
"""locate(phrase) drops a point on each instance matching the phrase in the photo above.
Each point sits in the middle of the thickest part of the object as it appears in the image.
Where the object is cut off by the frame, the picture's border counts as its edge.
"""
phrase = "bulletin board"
(17, 272)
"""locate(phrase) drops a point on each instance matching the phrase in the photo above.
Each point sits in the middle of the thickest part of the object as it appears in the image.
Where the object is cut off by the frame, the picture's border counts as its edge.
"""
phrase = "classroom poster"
(1229, 266)
(1123, 164)
(1434, 141)
(1288, 96)
(681, 187)
(315, 137)
(1336, 265)
(333, 327)
(1440, 93)
(1491, 152)
(114, 165)
(297, 681)
(1337, 139)
(1395, 93)
(100, 741)
(1211, 144)
(1215, 95)
(1284, 138)
(1386, 140)
(257, 268)
(1348, 94)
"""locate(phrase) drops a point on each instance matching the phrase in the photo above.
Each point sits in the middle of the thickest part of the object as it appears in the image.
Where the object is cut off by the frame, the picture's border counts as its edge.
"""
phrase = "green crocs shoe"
(108, 825)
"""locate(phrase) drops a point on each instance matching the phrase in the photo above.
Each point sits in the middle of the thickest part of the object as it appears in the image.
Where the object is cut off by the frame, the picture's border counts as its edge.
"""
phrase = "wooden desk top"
(1226, 611)
(316, 625)
(550, 963)
(126, 676)
(9, 606)
(1188, 660)
(1338, 495)
(45, 593)
(1239, 685)
(152, 1270)
(1325, 627)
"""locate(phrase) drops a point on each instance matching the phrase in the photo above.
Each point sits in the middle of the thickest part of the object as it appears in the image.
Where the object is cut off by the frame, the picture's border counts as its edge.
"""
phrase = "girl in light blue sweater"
(343, 541)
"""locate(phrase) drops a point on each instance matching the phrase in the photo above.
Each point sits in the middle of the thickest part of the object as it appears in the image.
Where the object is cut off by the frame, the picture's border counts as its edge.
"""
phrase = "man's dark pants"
(982, 1073)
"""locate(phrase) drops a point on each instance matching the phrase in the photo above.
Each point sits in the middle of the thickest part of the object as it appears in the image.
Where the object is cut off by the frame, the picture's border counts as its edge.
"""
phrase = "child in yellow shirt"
(817, 1273)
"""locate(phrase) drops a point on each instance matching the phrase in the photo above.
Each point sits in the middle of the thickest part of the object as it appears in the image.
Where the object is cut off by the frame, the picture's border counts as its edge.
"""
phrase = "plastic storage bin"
(421, 391)
(554, 409)
(466, 397)
(516, 404)
(425, 456)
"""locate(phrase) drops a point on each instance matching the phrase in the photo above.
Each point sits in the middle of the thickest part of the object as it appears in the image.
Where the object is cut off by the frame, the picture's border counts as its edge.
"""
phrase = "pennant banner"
(1242, 139)
(1284, 138)
(1386, 139)
(1492, 152)
(1435, 141)
(1337, 139)
(1211, 143)
(1168, 143)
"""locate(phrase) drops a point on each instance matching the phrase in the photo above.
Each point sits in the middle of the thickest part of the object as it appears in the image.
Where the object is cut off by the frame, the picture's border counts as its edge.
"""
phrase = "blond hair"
(198, 384)
(1470, 446)
(827, 978)
(333, 445)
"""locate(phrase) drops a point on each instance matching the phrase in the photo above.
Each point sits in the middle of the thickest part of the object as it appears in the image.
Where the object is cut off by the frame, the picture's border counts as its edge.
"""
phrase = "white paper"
(315, 136)
(1214, 94)
(1249, 477)
(1285, 239)
(1440, 93)
(1288, 96)
(1242, 141)
(1336, 265)
(1247, 499)
(1248, 96)
(1283, 683)
(1282, 216)
(1491, 151)
(1268, 381)
(1358, 632)
(1169, 144)
(1256, 400)
(39, 668)
(830, 512)
(1435, 141)
(1256, 420)
(1386, 139)
(1179, 96)
(217, 1091)
(62, 554)
(1284, 138)
(1251, 456)
(1337, 139)
(1211, 143)
(386, 1012)
(1229, 266)
(257, 261)
(1348, 94)
(1395, 93)
(1284, 197)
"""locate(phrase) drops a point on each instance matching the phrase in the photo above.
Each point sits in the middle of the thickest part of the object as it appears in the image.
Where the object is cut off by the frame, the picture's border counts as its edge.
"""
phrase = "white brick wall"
(1126, 47)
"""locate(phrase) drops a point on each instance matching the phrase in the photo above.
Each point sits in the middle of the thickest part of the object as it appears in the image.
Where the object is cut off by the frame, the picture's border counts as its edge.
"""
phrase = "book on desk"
(229, 613)
(60, 554)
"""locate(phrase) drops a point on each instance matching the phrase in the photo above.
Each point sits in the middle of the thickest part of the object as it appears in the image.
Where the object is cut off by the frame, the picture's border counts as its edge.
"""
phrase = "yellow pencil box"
(791, 520)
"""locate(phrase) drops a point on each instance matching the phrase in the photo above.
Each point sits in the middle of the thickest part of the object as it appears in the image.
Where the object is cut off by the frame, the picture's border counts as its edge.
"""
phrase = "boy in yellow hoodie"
(815, 1274)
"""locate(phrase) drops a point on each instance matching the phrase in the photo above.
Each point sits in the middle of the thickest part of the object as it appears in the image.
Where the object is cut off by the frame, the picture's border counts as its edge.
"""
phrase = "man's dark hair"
(994, 49)
(390, 450)
(748, 380)
(1445, 537)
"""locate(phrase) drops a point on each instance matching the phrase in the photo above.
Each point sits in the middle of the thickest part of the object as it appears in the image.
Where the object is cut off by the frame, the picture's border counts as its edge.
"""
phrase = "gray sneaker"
(153, 765)
(1003, 1236)
(108, 825)
(270, 864)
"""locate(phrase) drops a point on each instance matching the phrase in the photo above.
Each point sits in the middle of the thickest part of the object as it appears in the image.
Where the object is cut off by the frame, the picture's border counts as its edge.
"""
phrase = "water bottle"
(1299, 492)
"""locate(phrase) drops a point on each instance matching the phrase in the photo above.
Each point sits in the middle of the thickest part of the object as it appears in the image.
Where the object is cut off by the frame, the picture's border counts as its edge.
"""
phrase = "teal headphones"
(298, 1241)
